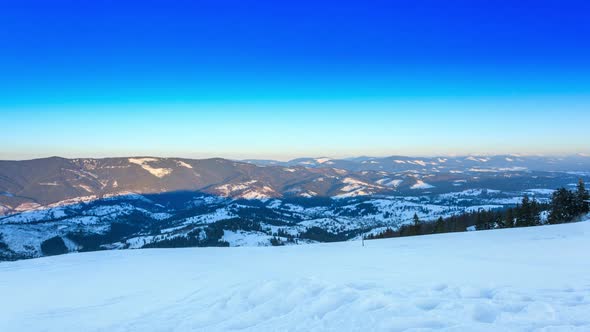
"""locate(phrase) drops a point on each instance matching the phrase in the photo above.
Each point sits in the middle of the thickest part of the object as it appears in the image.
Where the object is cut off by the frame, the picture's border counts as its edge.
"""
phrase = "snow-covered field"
(528, 279)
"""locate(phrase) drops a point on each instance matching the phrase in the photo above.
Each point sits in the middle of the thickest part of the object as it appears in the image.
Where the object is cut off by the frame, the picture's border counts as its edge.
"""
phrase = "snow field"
(527, 279)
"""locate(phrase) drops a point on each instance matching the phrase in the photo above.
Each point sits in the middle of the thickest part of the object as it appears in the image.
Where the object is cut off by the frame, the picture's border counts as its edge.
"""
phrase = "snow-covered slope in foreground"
(529, 279)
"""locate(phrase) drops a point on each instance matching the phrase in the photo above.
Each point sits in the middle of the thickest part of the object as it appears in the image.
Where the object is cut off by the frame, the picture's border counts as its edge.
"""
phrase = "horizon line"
(565, 155)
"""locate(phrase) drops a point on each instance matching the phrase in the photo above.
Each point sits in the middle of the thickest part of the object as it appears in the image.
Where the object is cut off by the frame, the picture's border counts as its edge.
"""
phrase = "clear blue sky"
(282, 79)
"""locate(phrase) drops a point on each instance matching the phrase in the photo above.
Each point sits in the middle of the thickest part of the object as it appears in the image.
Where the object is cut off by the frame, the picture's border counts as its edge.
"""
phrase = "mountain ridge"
(29, 184)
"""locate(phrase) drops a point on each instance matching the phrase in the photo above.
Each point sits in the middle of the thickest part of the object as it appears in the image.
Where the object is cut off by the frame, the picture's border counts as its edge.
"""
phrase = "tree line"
(565, 206)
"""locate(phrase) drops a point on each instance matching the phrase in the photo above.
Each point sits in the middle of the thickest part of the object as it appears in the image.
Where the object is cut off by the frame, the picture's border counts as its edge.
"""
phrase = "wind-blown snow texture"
(528, 279)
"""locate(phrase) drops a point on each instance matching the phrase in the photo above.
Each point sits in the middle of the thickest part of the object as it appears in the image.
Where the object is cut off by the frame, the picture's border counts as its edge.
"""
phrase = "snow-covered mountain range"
(136, 202)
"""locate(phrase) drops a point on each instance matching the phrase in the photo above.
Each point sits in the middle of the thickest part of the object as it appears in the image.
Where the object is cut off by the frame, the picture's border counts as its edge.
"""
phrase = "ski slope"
(533, 279)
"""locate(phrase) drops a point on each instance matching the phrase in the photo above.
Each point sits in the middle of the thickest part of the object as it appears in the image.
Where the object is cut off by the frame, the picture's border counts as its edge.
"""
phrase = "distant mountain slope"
(25, 184)
(33, 184)
(403, 163)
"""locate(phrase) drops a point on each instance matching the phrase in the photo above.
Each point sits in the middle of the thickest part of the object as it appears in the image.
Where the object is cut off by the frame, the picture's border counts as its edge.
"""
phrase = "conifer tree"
(498, 219)
(479, 221)
(416, 224)
(582, 198)
(535, 213)
(509, 219)
(523, 212)
(563, 206)
(439, 225)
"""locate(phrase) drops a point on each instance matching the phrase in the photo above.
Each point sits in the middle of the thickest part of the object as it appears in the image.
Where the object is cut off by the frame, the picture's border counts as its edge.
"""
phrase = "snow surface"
(483, 160)
(389, 183)
(144, 163)
(49, 183)
(527, 279)
(354, 188)
(247, 190)
(246, 238)
(322, 160)
(209, 218)
(541, 191)
(419, 162)
(259, 193)
(183, 164)
(228, 189)
(421, 185)
(353, 184)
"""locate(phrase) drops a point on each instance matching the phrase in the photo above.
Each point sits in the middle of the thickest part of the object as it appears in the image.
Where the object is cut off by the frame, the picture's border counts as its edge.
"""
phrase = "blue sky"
(283, 79)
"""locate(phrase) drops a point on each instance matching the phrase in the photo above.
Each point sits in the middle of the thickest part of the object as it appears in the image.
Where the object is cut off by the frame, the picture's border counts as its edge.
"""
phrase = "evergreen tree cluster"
(387, 233)
(276, 241)
(527, 213)
(565, 206)
(54, 246)
(568, 205)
